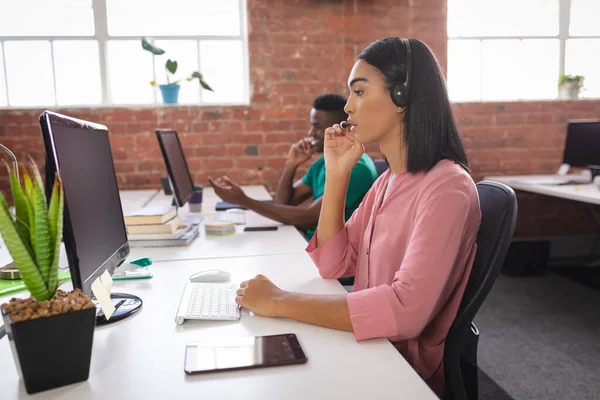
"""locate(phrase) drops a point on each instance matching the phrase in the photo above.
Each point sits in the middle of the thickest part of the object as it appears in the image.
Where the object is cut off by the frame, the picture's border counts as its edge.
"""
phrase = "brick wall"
(299, 49)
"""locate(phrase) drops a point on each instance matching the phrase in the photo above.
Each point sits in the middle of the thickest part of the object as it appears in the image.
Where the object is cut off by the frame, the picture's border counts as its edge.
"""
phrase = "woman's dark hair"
(430, 131)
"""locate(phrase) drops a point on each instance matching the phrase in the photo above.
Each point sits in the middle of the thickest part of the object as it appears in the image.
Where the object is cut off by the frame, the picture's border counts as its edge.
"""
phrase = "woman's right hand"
(342, 151)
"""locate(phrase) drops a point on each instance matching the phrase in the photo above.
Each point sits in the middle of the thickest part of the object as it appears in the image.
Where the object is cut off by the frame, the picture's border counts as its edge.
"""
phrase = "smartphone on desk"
(259, 228)
(228, 354)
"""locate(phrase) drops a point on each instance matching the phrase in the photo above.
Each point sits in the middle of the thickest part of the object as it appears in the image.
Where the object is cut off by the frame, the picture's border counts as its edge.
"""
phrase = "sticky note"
(106, 281)
(103, 297)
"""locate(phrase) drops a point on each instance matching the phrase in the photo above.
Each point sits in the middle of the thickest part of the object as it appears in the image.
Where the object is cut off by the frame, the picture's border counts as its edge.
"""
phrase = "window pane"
(185, 52)
(584, 18)
(502, 18)
(44, 17)
(222, 65)
(77, 83)
(129, 72)
(29, 73)
(3, 98)
(539, 75)
(583, 58)
(500, 69)
(464, 70)
(176, 17)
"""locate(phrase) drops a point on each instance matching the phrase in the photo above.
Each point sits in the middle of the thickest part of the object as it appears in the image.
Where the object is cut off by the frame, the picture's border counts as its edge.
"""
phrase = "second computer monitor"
(582, 146)
(177, 168)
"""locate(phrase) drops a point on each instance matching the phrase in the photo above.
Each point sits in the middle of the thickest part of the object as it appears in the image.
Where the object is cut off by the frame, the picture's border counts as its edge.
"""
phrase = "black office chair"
(499, 214)
(380, 166)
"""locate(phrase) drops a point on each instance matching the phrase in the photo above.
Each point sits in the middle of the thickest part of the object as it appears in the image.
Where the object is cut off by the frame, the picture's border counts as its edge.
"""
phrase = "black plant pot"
(52, 351)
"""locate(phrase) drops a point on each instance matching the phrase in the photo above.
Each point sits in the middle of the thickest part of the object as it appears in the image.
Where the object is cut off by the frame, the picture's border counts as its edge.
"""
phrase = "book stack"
(158, 227)
(219, 228)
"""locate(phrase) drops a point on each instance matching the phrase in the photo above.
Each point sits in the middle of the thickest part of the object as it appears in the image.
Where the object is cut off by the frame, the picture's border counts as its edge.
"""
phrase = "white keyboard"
(208, 301)
(237, 217)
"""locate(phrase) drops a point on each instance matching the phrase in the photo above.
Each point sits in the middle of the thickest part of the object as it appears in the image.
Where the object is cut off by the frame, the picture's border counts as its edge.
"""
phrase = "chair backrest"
(498, 205)
(380, 166)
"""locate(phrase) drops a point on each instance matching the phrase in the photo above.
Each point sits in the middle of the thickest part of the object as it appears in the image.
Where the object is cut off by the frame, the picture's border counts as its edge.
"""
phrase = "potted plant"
(170, 90)
(51, 332)
(569, 86)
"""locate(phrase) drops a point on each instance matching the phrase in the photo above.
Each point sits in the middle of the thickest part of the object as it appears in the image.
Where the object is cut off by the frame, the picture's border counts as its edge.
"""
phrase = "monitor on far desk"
(582, 145)
(177, 168)
(94, 230)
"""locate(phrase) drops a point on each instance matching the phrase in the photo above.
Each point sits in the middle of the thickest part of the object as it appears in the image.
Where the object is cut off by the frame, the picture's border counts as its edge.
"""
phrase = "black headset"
(401, 91)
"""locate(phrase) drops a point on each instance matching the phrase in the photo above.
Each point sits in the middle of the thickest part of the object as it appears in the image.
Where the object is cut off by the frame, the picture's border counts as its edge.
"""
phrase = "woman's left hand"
(260, 296)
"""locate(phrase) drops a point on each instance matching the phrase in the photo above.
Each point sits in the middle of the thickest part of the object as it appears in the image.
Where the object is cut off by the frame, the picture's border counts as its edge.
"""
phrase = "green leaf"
(171, 66)
(148, 44)
(197, 74)
(41, 237)
(28, 183)
(21, 257)
(205, 85)
(22, 210)
(53, 213)
(56, 225)
(37, 176)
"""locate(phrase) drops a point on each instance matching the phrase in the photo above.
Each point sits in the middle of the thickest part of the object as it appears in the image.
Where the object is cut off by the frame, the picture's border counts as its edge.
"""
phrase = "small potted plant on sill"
(51, 332)
(569, 86)
(170, 90)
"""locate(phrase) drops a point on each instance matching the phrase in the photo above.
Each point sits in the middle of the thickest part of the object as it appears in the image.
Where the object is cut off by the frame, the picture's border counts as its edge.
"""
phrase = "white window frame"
(564, 18)
(102, 37)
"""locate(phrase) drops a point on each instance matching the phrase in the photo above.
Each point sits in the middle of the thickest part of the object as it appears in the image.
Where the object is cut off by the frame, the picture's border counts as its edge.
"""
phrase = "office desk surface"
(586, 193)
(285, 240)
(142, 356)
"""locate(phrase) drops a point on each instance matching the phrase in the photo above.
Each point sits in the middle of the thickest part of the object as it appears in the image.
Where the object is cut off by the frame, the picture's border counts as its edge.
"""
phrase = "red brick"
(215, 138)
(218, 163)
(281, 113)
(245, 163)
(247, 138)
(149, 166)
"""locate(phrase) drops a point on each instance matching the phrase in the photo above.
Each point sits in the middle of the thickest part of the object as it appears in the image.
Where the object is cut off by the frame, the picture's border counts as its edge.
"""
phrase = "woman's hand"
(342, 151)
(260, 296)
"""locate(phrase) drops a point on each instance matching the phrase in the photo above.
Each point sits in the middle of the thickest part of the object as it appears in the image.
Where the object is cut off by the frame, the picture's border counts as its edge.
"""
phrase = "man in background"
(327, 110)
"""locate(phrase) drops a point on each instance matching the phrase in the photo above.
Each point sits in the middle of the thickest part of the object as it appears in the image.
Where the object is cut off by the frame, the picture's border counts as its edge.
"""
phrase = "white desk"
(142, 357)
(586, 193)
(285, 240)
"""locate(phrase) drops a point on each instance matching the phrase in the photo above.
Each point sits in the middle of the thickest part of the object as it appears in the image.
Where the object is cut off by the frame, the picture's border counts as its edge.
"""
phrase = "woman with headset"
(411, 243)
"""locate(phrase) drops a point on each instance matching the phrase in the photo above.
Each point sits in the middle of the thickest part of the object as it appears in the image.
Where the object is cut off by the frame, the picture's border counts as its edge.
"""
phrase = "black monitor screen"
(177, 167)
(582, 147)
(94, 233)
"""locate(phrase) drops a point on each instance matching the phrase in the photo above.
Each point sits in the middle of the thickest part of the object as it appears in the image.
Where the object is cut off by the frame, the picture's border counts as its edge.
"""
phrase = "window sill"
(125, 106)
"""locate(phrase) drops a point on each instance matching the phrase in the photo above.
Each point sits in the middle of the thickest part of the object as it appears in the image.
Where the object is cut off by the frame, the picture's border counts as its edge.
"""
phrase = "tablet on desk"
(227, 354)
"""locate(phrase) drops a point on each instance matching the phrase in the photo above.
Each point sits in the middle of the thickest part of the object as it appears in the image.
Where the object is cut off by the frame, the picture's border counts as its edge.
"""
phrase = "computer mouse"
(211, 276)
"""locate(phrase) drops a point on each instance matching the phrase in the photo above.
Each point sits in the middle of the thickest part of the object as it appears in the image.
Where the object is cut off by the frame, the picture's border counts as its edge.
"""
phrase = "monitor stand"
(595, 173)
(125, 306)
(191, 219)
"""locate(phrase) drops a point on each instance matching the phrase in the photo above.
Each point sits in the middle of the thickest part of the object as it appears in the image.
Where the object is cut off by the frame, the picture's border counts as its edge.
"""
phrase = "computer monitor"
(582, 146)
(94, 230)
(177, 168)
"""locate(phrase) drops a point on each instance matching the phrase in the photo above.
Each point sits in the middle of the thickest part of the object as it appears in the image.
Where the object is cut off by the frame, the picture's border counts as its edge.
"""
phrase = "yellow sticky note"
(106, 281)
(103, 297)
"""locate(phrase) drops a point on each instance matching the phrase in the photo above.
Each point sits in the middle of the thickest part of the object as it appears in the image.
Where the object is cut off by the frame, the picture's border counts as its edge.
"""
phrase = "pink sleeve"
(336, 257)
(424, 280)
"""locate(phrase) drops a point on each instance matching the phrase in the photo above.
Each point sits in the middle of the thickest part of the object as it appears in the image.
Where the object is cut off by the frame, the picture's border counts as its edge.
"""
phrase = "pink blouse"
(411, 254)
